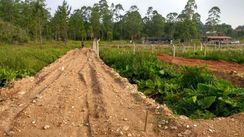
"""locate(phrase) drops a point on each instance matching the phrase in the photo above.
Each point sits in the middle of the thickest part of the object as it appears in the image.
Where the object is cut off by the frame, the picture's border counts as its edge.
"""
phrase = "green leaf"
(239, 92)
(209, 90)
(148, 92)
(206, 102)
(194, 98)
(150, 84)
(162, 72)
(241, 105)
(228, 100)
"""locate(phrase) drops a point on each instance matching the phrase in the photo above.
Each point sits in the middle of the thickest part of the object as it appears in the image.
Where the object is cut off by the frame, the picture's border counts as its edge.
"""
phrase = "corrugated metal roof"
(218, 37)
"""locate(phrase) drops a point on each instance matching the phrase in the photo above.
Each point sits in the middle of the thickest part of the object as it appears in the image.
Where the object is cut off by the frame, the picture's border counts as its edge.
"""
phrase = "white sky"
(232, 10)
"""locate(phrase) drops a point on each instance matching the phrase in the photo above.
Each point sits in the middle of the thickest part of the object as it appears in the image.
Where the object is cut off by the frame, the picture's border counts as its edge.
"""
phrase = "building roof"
(218, 37)
(159, 38)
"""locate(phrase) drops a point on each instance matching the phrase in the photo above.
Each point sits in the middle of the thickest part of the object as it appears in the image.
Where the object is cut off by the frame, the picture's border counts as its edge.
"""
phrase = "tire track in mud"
(36, 92)
(96, 106)
(26, 99)
(27, 96)
(119, 100)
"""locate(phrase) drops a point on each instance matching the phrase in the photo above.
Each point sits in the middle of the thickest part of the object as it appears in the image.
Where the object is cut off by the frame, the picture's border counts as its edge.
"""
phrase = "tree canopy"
(108, 22)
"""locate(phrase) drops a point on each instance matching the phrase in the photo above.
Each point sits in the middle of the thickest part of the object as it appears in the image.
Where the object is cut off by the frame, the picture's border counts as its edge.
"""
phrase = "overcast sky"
(232, 10)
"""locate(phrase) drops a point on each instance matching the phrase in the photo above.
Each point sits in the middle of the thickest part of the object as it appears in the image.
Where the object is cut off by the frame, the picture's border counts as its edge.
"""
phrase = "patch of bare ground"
(232, 72)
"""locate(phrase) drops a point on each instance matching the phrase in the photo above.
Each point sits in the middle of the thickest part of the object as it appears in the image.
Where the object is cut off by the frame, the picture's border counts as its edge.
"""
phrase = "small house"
(218, 39)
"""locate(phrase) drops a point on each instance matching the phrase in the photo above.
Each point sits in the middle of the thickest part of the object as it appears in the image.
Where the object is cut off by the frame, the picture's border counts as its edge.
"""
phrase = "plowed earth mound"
(79, 96)
(232, 72)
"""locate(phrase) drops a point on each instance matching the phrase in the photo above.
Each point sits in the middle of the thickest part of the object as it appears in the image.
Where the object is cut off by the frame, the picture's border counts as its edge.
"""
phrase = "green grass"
(226, 53)
(18, 61)
(236, 56)
(229, 54)
(193, 92)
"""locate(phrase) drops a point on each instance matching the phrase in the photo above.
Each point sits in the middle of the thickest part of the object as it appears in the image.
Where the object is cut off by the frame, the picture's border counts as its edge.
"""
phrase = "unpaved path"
(230, 71)
(79, 96)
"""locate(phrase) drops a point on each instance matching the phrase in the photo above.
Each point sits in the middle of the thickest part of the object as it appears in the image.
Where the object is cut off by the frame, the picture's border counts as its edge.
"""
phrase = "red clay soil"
(230, 71)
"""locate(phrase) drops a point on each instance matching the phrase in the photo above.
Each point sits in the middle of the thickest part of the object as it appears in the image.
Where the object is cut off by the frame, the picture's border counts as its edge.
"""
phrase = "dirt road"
(79, 96)
(230, 71)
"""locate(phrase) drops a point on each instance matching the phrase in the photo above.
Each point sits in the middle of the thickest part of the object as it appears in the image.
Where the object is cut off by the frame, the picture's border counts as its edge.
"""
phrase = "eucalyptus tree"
(26, 20)
(199, 25)
(225, 29)
(213, 18)
(60, 21)
(153, 23)
(95, 21)
(187, 22)
(117, 21)
(40, 16)
(76, 25)
(171, 17)
(9, 10)
(190, 9)
(86, 15)
(106, 20)
(147, 23)
(171, 20)
(133, 22)
(117, 9)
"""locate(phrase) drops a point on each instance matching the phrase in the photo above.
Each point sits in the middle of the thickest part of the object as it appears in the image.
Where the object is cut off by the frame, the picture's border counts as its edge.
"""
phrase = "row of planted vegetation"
(18, 61)
(193, 92)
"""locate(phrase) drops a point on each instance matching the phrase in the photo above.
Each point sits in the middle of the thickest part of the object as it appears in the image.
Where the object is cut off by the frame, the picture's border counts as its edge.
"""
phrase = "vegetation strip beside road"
(190, 91)
(18, 61)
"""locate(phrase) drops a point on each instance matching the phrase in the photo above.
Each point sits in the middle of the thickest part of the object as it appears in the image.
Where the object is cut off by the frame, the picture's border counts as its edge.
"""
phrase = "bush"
(12, 34)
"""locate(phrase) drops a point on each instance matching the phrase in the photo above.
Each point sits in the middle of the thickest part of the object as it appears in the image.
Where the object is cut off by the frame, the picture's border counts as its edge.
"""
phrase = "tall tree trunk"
(40, 32)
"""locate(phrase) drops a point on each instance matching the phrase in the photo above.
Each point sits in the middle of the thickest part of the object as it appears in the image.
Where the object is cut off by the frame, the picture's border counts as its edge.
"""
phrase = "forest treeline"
(24, 20)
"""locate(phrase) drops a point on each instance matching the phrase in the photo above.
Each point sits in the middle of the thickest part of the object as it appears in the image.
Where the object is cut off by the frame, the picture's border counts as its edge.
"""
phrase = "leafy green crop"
(190, 91)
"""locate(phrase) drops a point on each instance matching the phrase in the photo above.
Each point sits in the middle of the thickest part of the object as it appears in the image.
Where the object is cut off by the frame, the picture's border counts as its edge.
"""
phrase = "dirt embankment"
(79, 96)
(232, 72)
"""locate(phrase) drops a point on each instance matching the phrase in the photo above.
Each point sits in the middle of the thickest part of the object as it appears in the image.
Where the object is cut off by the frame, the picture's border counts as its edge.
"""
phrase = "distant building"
(157, 40)
(217, 39)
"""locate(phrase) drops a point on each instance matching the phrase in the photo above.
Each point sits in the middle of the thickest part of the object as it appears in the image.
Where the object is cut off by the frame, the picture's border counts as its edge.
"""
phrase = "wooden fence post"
(134, 50)
(93, 44)
(194, 47)
(151, 48)
(205, 50)
(201, 46)
(183, 48)
(97, 48)
(173, 50)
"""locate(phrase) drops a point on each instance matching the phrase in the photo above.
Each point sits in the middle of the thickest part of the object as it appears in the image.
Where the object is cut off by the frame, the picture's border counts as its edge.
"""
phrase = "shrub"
(12, 34)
